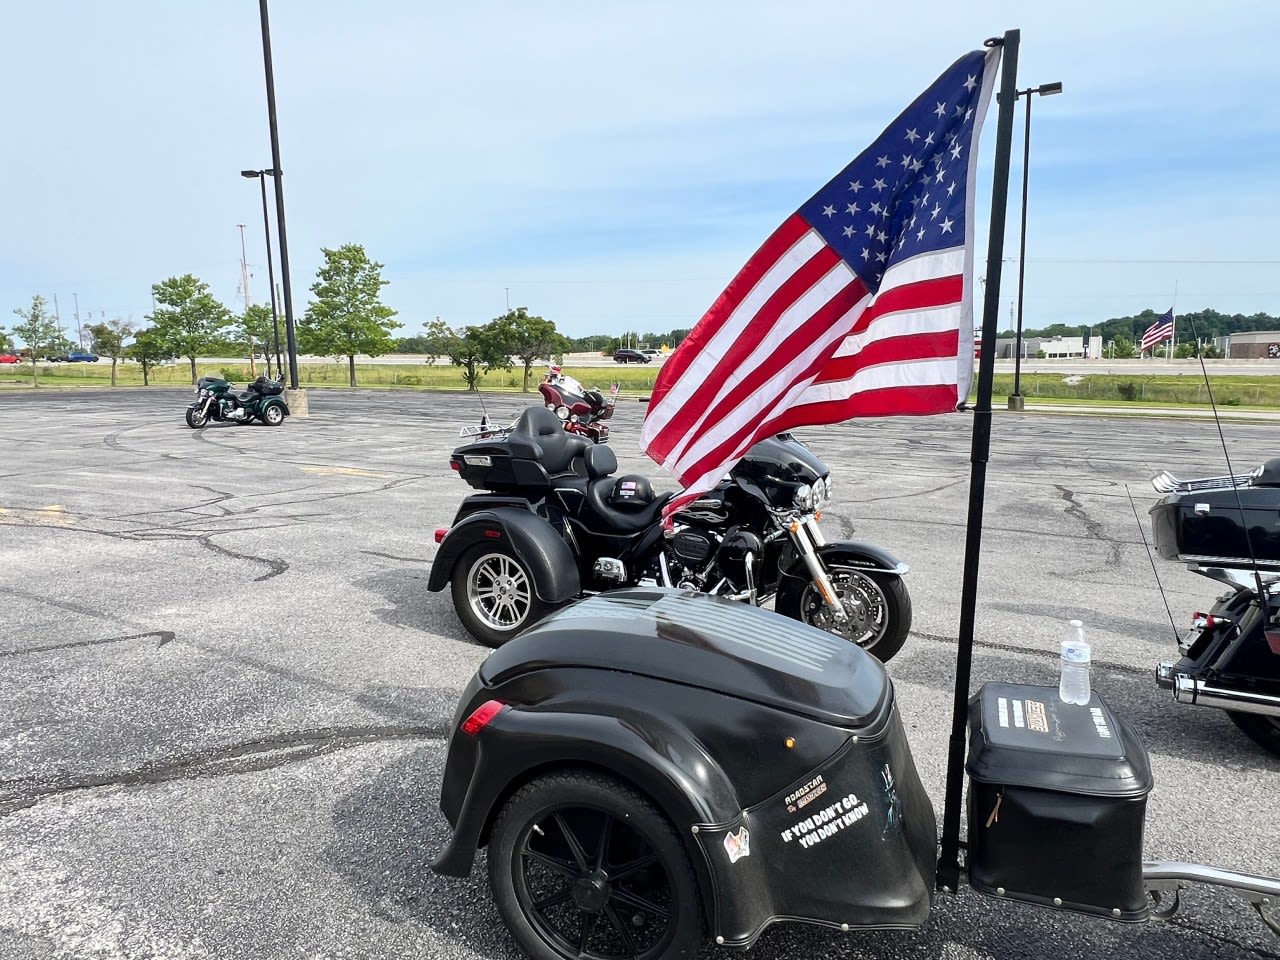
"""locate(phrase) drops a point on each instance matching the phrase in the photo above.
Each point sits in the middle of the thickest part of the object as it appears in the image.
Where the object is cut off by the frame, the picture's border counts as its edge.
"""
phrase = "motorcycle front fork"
(807, 537)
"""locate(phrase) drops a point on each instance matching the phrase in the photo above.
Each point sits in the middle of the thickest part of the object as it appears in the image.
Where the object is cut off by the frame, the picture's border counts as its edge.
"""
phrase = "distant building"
(1053, 348)
(1257, 345)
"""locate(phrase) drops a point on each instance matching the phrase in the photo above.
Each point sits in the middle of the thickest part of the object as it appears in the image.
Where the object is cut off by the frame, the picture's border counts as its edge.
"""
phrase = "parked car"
(10, 358)
(627, 355)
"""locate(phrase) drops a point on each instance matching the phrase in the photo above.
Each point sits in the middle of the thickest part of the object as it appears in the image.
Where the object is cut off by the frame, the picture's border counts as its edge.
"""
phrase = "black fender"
(663, 761)
(850, 553)
(550, 562)
(274, 402)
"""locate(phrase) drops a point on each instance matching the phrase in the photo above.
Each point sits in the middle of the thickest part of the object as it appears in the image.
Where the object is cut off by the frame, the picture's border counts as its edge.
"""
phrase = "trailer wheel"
(583, 866)
(1261, 729)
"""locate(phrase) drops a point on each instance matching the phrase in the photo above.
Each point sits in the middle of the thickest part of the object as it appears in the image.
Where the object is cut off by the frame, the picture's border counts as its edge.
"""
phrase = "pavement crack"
(392, 556)
(251, 756)
(164, 636)
(1092, 527)
(1034, 652)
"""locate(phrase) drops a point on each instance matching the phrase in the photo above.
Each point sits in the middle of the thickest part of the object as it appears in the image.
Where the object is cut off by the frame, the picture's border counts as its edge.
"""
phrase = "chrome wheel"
(499, 592)
(877, 609)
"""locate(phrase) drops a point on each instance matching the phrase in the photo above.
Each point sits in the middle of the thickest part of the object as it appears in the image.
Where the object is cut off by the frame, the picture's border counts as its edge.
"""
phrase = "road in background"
(226, 690)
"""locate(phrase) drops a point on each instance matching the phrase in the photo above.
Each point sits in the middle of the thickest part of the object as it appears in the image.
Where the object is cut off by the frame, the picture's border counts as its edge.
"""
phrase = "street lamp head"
(1049, 89)
(250, 174)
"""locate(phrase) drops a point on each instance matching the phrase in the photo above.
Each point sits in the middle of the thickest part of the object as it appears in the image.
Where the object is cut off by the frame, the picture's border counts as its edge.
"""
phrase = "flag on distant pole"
(1159, 331)
(857, 306)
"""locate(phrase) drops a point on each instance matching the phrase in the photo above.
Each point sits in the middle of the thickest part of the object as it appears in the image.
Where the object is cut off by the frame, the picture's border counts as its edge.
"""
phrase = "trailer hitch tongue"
(1163, 879)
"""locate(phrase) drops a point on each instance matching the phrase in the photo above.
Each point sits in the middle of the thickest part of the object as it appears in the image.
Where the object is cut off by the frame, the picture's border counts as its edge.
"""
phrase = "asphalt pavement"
(226, 690)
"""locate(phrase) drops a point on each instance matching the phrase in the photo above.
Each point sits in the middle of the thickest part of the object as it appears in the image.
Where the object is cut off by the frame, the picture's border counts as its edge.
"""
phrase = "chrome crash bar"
(1163, 880)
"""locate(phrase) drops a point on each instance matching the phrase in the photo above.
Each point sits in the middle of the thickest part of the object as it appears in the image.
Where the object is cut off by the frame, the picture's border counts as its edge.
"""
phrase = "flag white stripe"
(794, 316)
(912, 373)
(765, 399)
(704, 367)
(903, 323)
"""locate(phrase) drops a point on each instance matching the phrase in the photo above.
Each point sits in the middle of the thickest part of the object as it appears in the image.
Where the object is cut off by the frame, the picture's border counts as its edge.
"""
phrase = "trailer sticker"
(806, 794)
(893, 804)
(1100, 723)
(827, 822)
(737, 845)
(1037, 716)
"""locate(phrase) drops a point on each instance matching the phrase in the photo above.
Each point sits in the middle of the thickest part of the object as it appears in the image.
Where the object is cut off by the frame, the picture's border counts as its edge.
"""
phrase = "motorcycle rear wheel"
(195, 418)
(878, 608)
(273, 416)
(1261, 729)
(494, 595)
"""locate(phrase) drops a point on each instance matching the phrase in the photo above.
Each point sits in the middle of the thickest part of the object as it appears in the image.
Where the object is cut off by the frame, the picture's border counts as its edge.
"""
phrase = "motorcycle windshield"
(781, 459)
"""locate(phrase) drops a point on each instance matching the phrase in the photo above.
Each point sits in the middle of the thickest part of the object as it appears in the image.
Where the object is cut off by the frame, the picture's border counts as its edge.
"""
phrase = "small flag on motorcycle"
(613, 390)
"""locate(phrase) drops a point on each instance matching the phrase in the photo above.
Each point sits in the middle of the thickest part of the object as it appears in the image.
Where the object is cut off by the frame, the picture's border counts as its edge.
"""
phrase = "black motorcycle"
(1228, 529)
(554, 524)
(216, 399)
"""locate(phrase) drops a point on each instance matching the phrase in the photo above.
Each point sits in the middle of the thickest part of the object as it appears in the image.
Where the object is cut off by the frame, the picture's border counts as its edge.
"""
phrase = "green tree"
(1122, 348)
(190, 319)
(108, 340)
(528, 339)
(257, 331)
(39, 330)
(148, 349)
(347, 317)
(477, 350)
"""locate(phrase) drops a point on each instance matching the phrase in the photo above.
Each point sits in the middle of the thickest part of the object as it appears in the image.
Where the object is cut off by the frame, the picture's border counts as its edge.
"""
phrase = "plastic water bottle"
(1073, 686)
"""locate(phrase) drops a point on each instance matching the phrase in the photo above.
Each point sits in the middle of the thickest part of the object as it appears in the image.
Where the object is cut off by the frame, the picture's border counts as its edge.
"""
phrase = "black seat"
(606, 518)
(539, 435)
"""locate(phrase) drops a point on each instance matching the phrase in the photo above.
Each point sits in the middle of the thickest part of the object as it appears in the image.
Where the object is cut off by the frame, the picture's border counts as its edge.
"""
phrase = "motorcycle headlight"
(828, 487)
(804, 497)
(562, 412)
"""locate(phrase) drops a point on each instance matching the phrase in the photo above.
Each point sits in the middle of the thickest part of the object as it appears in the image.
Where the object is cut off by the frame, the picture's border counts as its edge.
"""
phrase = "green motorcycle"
(216, 400)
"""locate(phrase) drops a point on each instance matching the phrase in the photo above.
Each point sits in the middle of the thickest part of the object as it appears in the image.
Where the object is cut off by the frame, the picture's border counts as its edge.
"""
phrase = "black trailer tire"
(195, 418)
(583, 866)
(273, 416)
(880, 608)
(1261, 729)
(494, 594)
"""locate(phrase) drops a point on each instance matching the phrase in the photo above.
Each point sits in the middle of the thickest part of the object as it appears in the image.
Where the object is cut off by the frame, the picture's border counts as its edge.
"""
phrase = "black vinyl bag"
(1057, 801)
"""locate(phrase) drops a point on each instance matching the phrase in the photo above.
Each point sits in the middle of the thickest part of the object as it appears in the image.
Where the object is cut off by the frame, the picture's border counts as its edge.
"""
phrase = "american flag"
(1162, 329)
(856, 306)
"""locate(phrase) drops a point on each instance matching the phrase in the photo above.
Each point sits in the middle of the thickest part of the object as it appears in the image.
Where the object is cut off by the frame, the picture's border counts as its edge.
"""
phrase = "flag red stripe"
(732, 444)
(779, 242)
(734, 362)
(920, 346)
(778, 363)
(887, 402)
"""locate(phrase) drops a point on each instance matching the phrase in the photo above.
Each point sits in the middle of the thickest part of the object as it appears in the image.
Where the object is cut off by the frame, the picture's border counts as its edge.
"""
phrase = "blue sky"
(611, 165)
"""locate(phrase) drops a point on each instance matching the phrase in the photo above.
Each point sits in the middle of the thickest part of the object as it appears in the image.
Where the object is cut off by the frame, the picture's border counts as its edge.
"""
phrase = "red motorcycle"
(582, 412)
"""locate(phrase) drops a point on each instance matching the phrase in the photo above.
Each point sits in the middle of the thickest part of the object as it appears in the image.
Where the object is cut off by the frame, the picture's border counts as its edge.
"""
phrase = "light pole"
(261, 177)
(277, 171)
(1044, 90)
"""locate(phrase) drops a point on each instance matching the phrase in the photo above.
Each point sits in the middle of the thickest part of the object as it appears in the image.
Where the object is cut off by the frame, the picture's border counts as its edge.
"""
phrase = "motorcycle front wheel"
(494, 595)
(877, 608)
(196, 418)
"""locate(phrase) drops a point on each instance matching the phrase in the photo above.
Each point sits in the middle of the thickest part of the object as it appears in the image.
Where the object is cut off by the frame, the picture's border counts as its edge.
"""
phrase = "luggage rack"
(1166, 482)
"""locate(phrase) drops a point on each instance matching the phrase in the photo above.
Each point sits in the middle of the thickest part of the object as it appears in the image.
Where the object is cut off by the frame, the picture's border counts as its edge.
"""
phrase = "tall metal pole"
(79, 332)
(279, 185)
(949, 859)
(1022, 247)
(271, 271)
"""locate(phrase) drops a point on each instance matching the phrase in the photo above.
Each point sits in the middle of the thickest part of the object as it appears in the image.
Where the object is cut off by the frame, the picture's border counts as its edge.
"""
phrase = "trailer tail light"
(455, 465)
(481, 716)
(441, 533)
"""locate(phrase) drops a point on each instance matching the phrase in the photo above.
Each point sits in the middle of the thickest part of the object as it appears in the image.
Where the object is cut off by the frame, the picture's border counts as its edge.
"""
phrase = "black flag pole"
(949, 859)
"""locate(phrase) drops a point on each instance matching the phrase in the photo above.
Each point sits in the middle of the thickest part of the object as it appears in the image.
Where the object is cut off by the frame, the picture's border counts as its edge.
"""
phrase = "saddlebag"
(1057, 799)
(1222, 525)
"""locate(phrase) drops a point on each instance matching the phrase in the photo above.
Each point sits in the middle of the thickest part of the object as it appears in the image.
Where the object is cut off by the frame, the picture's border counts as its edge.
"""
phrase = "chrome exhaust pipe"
(1193, 691)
